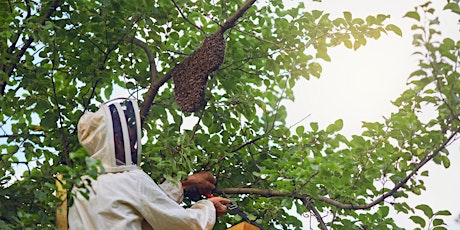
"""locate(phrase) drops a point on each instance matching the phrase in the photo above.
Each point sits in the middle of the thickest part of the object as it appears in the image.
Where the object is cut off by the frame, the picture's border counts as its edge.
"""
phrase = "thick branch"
(151, 93)
(155, 82)
(230, 22)
(309, 205)
(276, 193)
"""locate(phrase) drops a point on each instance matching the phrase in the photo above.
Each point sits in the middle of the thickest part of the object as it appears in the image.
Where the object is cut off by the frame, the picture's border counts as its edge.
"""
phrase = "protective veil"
(125, 197)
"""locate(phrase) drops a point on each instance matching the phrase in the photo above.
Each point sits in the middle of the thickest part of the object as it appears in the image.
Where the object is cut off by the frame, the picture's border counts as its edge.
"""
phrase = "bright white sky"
(359, 85)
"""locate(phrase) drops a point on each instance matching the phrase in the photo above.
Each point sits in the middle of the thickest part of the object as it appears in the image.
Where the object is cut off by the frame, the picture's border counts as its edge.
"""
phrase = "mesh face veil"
(126, 123)
(113, 134)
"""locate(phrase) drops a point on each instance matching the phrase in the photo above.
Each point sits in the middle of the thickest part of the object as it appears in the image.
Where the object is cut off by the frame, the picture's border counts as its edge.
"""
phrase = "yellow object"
(61, 211)
(37, 128)
(244, 226)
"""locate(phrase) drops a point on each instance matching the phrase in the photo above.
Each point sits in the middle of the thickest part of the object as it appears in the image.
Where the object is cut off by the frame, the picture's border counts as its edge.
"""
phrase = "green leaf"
(300, 130)
(437, 222)
(439, 228)
(314, 126)
(426, 209)
(412, 14)
(452, 6)
(445, 161)
(394, 28)
(322, 53)
(347, 16)
(315, 69)
(418, 220)
(339, 22)
(348, 44)
(337, 126)
(383, 211)
(443, 213)
(79, 154)
(357, 21)
(356, 45)
(370, 20)
(419, 72)
(382, 17)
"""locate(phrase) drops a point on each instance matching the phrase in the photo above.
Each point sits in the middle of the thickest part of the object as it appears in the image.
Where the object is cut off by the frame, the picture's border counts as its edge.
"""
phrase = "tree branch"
(150, 57)
(276, 193)
(260, 192)
(18, 135)
(309, 205)
(230, 22)
(151, 93)
(208, 167)
(156, 84)
(186, 19)
(91, 95)
(276, 44)
(26, 46)
(247, 143)
(65, 143)
(155, 81)
(115, 46)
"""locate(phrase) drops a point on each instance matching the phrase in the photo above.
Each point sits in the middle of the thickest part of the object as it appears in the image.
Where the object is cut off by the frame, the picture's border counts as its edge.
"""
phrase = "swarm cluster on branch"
(191, 75)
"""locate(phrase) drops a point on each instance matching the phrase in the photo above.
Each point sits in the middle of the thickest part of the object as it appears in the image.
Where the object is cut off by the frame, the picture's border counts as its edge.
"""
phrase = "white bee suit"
(125, 197)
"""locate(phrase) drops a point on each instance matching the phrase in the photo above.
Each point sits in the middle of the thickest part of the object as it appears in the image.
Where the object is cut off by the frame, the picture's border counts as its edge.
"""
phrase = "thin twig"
(19, 135)
(186, 19)
(93, 92)
(300, 121)
(65, 143)
(247, 143)
(150, 57)
(208, 167)
(259, 38)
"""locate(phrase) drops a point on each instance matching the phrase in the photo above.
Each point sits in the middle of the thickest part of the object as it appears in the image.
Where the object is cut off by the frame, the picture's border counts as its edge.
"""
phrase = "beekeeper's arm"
(163, 213)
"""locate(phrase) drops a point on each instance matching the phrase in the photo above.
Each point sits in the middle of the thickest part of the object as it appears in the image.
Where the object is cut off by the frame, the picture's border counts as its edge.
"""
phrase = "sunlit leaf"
(412, 14)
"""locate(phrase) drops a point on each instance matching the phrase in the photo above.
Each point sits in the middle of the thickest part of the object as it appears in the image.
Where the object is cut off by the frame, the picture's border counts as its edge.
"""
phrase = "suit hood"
(113, 134)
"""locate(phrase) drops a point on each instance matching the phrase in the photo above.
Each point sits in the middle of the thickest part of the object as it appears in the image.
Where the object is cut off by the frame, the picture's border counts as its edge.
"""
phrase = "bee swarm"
(191, 75)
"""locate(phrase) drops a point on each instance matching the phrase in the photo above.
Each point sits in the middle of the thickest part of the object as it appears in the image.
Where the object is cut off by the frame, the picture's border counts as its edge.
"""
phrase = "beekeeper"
(125, 197)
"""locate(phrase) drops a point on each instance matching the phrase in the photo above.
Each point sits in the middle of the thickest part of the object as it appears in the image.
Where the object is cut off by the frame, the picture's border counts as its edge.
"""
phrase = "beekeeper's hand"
(220, 204)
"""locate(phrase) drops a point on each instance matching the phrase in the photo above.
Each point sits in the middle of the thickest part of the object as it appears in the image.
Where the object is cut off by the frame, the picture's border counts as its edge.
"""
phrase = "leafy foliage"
(62, 58)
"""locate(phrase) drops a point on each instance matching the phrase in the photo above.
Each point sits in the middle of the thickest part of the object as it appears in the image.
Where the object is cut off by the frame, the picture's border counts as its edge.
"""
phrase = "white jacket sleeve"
(161, 212)
(173, 190)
